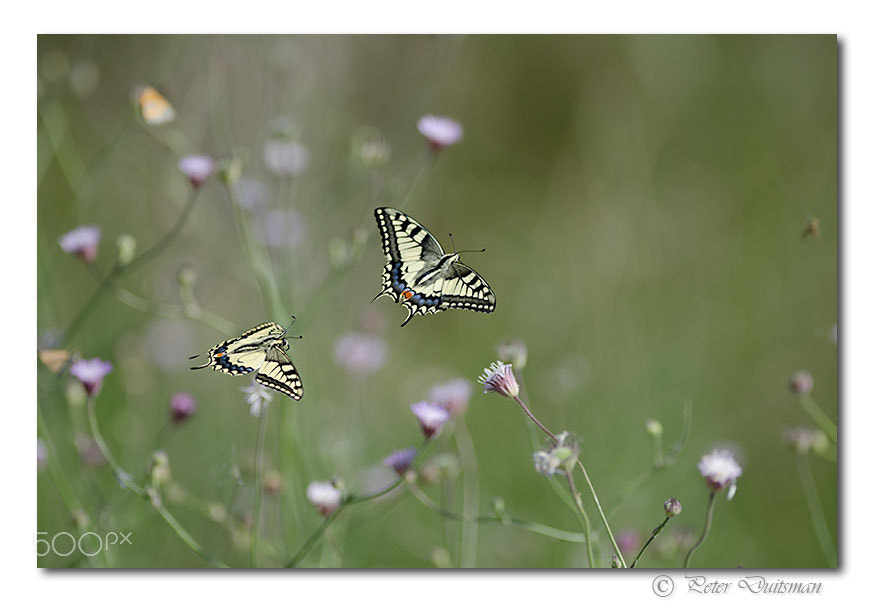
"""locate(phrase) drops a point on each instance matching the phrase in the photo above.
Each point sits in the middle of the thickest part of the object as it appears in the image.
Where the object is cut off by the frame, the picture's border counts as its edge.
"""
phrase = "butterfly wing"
(243, 354)
(279, 373)
(409, 250)
(154, 108)
(464, 288)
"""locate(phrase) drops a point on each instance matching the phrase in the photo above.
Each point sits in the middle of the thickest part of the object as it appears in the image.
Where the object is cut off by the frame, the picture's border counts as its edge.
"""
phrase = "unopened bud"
(127, 247)
(672, 507)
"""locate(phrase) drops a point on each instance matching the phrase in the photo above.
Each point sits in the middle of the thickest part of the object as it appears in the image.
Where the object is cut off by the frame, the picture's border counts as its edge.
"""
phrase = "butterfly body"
(260, 350)
(420, 275)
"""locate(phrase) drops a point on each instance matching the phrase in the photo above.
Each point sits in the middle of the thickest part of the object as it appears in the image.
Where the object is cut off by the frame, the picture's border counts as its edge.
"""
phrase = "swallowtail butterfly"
(421, 275)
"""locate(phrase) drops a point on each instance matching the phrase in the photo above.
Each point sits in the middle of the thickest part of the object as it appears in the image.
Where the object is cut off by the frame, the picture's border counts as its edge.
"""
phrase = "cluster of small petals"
(257, 397)
(91, 373)
(454, 395)
(720, 469)
(182, 407)
(513, 352)
(560, 455)
(431, 417)
(440, 131)
(546, 463)
(400, 460)
(499, 377)
(801, 383)
(81, 241)
(325, 497)
(360, 354)
(197, 168)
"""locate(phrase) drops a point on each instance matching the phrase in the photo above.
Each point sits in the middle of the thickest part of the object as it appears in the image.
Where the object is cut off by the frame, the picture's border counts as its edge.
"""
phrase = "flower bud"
(801, 383)
(654, 428)
(127, 247)
(159, 468)
(672, 507)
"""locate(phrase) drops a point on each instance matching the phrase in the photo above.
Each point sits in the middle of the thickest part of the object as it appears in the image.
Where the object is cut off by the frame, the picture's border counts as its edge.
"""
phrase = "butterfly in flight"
(154, 108)
(260, 350)
(421, 275)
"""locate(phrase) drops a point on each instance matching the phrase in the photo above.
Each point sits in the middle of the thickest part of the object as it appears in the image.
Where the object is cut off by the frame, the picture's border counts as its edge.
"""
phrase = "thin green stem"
(820, 417)
(317, 534)
(254, 559)
(655, 533)
(814, 505)
(467, 455)
(578, 501)
(708, 520)
(148, 494)
(601, 512)
(533, 527)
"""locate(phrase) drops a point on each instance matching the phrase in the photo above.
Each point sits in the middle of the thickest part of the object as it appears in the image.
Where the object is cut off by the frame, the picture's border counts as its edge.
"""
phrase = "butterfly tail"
(409, 316)
(200, 366)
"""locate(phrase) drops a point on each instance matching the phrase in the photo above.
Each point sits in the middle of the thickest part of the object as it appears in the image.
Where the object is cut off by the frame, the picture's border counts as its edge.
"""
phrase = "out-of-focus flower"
(325, 497)
(91, 373)
(672, 507)
(285, 157)
(454, 395)
(833, 335)
(282, 228)
(431, 417)
(801, 383)
(440, 131)
(440, 467)
(360, 354)
(272, 482)
(84, 78)
(257, 397)
(197, 168)
(42, 454)
(159, 469)
(81, 241)
(513, 352)
(217, 512)
(400, 460)
(628, 541)
(720, 469)
(230, 167)
(653, 428)
(127, 247)
(560, 455)
(499, 377)
(89, 451)
(182, 407)
(803, 439)
(370, 146)
(153, 107)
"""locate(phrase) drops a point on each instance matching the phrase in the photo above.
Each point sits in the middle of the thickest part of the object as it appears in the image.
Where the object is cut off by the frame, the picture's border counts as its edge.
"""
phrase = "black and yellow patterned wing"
(279, 373)
(244, 354)
(410, 250)
(464, 288)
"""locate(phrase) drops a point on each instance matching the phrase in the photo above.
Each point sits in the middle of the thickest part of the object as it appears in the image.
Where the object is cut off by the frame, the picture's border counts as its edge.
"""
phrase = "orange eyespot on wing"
(407, 294)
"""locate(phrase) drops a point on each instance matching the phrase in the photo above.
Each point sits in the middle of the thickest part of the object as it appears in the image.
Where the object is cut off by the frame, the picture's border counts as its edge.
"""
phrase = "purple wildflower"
(499, 377)
(440, 131)
(720, 469)
(197, 168)
(431, 417)
(400, 460)
(360, 354)
(182, 407)
(81, 241)
(91, 373)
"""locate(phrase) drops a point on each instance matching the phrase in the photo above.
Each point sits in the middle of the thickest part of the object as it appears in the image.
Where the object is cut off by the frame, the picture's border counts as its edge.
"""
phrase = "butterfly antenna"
(469, 251)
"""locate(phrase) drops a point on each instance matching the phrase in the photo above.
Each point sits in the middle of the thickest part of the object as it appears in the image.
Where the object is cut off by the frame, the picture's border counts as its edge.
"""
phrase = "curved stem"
(814, 505)
(585, 517)
(708, 520)
(601, 512)
(259, 468)
(152, 496)
(820, 417)
(655, 533)
(311, 541)
(533, 527)
(533, 419)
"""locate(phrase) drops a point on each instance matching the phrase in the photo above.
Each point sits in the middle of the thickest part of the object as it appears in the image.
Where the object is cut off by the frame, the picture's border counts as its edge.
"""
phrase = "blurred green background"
(642, 201)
